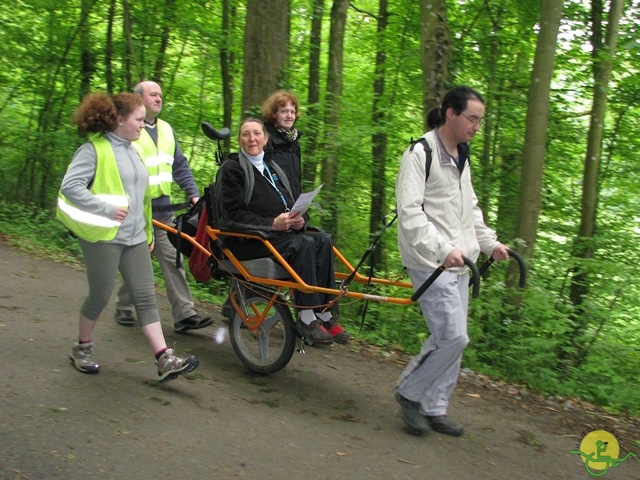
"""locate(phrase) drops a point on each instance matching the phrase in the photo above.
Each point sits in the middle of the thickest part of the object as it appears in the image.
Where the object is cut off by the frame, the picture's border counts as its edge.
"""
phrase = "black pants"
(309, 254)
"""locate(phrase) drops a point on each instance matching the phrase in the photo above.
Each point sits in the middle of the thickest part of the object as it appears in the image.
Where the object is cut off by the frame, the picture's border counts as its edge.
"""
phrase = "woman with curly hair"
(104, 200)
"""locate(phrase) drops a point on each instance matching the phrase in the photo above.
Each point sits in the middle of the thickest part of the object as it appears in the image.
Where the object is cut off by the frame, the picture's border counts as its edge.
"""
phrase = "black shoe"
(194, 322)
(227, 310)
(315, 335)
(446, 426)
(411, 415)
(125, 318)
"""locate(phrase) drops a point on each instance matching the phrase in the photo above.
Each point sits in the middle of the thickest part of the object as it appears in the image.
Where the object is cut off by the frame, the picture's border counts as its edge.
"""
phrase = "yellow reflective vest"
(107, 186)
(158, 158)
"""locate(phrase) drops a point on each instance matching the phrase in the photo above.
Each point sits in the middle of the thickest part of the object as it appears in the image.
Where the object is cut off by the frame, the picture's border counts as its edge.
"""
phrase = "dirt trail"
(329, 414)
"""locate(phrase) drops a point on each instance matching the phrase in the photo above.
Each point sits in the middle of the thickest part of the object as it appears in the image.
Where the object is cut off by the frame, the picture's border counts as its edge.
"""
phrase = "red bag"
(199, 262)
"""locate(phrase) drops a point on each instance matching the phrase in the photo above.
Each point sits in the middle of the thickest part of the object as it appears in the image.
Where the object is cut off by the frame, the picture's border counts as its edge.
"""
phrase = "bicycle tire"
(271, 347)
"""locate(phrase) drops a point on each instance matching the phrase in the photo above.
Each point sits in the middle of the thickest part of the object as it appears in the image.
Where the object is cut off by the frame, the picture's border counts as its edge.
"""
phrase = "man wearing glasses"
(439, 222)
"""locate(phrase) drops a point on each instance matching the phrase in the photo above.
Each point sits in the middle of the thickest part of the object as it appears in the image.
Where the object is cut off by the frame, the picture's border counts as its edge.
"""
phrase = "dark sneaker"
(194, 322)
(411, 415)
(125, 318)
(314, 334)
(171, 366)
(446, 426)
(336, 330)
(227, 310)
(82, 357)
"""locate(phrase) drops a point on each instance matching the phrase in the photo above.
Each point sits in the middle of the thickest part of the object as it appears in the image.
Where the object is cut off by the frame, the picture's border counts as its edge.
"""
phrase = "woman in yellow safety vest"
(104, 200)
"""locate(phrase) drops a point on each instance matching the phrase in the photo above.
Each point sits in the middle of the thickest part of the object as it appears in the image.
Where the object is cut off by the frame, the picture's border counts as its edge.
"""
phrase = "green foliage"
(34, 230)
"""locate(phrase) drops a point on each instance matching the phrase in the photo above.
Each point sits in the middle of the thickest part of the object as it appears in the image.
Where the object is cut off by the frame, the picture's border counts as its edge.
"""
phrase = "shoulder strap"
(250, 180)
(427, 153)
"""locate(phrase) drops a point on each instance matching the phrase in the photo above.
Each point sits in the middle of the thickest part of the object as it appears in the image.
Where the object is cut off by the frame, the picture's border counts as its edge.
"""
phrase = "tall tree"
(87, 63)
(332, 115)
(379, 136)
(129, 57)
(108, 47)
(313, 99)
(435, 53)
(603, 53)
(227, 60)
(496, 11)
(265, 50)
(166, 21)
(536, 126)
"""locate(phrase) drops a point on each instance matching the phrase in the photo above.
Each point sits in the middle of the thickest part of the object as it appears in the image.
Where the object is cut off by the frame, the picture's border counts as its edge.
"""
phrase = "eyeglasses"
(476, 122)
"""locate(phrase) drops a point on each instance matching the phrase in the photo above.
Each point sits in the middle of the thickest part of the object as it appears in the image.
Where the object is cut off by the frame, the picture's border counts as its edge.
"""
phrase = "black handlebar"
(475, 277)
(516, 256)
(474, 280)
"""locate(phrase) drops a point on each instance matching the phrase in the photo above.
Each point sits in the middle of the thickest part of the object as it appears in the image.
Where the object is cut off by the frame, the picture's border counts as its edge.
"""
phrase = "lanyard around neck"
(271, 180)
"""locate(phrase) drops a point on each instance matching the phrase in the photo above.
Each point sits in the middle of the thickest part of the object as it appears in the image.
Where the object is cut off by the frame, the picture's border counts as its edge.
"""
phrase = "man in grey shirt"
(166, 163)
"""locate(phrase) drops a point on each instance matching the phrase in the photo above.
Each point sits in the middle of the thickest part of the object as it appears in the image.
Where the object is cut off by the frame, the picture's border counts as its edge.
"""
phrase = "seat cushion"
(260, 267)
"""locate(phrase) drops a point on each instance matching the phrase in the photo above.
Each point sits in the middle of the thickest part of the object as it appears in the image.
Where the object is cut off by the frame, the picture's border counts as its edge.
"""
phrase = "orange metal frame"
(296, 283)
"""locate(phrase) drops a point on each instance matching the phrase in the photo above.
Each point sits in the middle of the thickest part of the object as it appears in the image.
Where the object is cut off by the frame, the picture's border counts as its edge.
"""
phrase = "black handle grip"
(516, 256)
(475, 280)
(475, 277)
(523, 267)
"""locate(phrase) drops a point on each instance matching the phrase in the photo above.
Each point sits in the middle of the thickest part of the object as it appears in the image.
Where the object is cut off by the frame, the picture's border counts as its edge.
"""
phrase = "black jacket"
(265, 203)
(287, 155)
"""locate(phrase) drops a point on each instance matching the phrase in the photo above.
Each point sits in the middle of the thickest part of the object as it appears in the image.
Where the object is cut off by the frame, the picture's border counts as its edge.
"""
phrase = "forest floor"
(330, 414)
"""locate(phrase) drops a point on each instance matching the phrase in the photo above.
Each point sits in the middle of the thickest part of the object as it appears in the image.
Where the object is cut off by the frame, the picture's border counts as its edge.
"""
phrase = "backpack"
(200, 264)
(186, 222)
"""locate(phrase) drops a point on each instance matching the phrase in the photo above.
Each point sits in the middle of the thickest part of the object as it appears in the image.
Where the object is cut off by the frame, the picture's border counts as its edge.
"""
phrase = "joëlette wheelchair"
(263, 331)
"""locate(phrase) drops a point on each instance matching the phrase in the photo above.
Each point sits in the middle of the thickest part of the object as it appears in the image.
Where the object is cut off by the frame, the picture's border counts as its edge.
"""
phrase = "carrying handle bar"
(516, 256)
(474, 280)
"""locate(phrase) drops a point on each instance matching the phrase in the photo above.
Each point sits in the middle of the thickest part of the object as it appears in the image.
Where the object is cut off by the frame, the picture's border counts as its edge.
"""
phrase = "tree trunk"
(603, 54)
(167, 20)
(536, 127)
(265, 51)
(128, 59)
(227, 60)
(484, 189)
(435, 53)
(87, 58)
(108, 48)
(332, 119)
(310, 163)
(379, 137)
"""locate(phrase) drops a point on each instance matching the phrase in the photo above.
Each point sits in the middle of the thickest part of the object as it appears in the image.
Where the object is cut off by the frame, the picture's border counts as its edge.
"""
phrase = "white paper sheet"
(304, 202)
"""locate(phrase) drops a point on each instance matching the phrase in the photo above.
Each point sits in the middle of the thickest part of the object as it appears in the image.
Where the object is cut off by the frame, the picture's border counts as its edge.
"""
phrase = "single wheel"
(263, 346)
